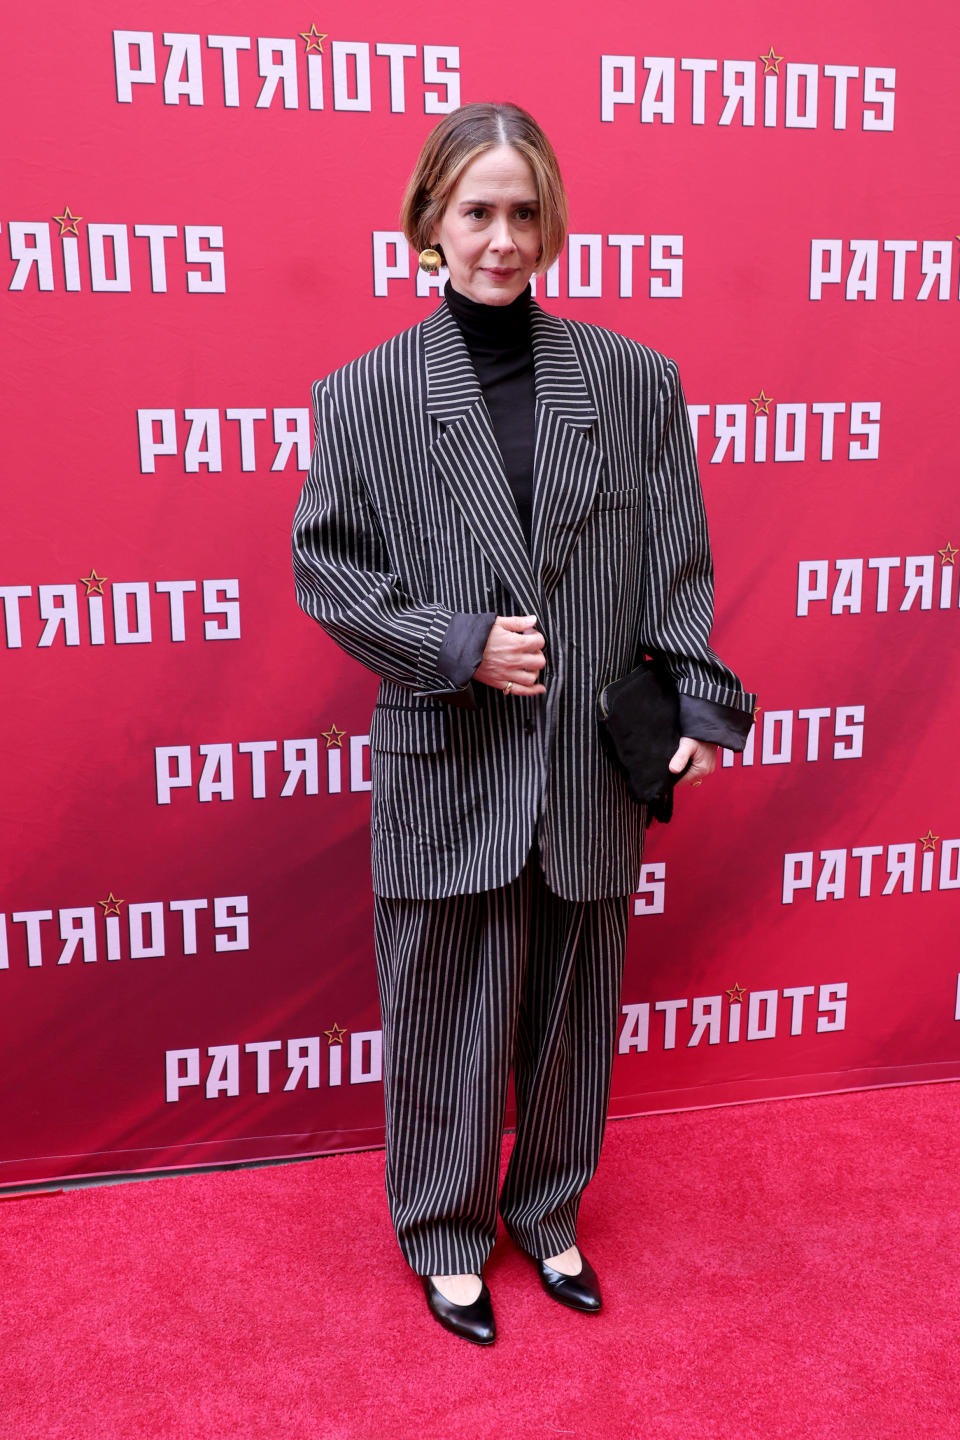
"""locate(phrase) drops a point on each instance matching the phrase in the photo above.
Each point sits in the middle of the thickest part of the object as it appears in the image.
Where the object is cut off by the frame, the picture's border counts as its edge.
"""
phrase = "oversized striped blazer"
(407, 519)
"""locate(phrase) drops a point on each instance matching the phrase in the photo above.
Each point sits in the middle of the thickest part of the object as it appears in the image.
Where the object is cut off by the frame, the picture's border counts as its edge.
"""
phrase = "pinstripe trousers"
(468, 986)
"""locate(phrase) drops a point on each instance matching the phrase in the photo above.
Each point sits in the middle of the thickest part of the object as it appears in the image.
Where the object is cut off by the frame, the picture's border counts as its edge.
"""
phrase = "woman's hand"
(703, 756)
(513, 656)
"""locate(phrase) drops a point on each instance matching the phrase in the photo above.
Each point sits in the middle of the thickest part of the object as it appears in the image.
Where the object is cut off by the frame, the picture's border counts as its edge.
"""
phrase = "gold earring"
(430, 260)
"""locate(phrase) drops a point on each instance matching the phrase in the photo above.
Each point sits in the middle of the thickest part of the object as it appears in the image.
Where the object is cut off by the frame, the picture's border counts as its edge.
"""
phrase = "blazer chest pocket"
(408, 732)
(617, 499)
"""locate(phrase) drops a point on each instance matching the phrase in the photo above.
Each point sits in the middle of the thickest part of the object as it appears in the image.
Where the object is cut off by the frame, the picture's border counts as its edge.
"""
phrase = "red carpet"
(780, 1270)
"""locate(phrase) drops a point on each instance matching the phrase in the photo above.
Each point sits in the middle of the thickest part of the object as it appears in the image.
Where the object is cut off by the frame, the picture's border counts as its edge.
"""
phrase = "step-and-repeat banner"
(200, 218)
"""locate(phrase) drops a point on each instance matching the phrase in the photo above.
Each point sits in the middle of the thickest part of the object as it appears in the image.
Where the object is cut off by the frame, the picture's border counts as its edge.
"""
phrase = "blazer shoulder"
(607, 352)
(392, 364)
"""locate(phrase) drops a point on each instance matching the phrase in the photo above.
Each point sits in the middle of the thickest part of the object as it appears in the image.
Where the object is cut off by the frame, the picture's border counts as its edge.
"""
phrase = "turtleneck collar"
(491, 326)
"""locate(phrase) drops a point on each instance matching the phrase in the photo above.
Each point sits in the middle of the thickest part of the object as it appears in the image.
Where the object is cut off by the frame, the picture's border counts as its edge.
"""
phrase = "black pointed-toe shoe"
(580, 1292)
(472, 1322)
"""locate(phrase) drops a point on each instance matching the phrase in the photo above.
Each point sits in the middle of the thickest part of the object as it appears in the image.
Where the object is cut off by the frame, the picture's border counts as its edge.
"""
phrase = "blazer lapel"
(567, 464)
(468, 458)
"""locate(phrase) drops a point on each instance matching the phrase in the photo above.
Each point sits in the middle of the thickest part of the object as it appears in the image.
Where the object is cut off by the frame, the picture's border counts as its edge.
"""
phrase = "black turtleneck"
(498, 340)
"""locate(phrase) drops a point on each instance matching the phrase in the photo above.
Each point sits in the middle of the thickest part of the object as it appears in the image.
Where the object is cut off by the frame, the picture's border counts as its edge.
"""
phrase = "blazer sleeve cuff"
(462, 646)
(448, 645)
(711, 721)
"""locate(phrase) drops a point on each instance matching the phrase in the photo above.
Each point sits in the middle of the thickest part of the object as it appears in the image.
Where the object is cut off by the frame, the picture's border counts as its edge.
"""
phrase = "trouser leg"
(562, 1062)
(449, 974)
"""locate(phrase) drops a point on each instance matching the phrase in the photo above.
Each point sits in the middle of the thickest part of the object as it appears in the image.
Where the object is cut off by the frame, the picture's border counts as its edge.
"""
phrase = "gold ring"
(508, 687)
(696, 783)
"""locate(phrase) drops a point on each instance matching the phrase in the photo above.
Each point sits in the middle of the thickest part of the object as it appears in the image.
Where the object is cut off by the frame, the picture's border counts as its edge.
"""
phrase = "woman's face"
(490, 230)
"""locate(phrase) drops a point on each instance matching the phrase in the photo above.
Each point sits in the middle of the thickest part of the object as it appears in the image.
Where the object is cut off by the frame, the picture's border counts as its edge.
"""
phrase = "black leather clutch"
(639, 720)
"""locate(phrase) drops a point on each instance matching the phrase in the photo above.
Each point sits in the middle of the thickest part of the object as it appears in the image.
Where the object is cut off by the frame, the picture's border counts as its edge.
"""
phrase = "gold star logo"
(335, 1034)
(111, 906)
(758, 711)
(929, 841)
(68, 223)
(333, 737)
(947, 554)
(771, 62)
(313, 40)
(736, 994)
(93, 582)
(761, 403)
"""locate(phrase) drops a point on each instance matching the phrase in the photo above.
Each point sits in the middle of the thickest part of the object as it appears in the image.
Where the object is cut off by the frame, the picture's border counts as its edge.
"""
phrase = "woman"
(502, 515)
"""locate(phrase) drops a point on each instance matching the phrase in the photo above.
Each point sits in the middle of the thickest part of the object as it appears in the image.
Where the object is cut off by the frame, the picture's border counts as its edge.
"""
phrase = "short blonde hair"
(455, 142)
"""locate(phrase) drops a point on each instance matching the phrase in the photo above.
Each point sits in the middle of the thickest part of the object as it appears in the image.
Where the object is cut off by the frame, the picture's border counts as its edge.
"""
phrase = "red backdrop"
(196, 225)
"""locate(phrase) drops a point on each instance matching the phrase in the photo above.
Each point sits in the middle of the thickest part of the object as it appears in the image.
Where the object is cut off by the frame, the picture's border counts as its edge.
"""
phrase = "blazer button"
(529, 726)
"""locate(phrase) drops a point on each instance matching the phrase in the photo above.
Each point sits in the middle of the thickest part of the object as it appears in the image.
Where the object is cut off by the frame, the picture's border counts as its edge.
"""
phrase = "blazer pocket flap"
(408, 732)
(617, 499)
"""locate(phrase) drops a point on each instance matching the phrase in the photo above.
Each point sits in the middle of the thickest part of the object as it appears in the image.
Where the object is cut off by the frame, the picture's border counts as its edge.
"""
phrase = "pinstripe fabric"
(485, 957)
(406, 518)
(467, 984)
